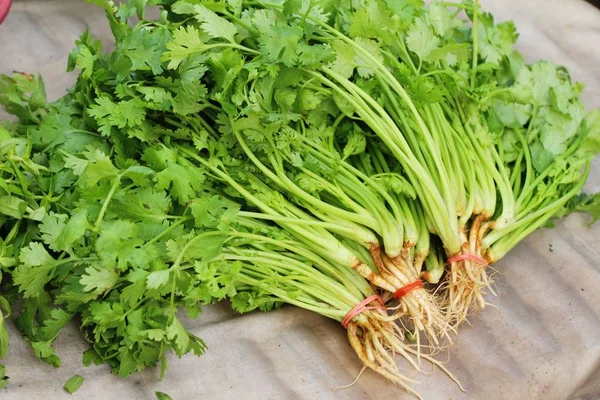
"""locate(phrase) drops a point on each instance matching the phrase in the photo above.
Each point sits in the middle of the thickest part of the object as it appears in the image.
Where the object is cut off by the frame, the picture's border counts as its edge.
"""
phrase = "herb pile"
(330, 154)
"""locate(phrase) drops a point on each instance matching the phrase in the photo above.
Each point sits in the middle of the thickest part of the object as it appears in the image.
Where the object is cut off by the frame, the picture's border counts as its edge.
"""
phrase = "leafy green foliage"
(342, 123)
(589, 204)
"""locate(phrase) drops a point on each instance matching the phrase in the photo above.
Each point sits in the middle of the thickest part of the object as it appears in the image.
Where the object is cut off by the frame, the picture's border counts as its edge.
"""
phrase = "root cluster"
(377, 341)
(430, 315)
(467, 281)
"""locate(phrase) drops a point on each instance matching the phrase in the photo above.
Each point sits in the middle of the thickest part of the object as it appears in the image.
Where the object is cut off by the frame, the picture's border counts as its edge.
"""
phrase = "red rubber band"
(403, 291)
(361, 307)
(464, 257)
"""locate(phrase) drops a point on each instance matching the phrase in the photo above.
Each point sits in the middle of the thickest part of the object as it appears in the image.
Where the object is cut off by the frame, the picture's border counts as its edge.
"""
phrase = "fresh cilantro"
(250, 151)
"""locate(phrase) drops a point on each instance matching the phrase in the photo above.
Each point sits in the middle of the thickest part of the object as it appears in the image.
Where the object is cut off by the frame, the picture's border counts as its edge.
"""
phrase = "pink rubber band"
(464, 257)
(362, 307)
(403, 291)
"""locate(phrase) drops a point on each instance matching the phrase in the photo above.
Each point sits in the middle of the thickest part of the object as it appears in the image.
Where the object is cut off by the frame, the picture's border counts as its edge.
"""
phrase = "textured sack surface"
(542, 342)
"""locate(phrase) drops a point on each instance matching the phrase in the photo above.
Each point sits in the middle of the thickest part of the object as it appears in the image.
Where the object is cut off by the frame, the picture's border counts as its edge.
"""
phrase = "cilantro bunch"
(458, 116)
(122, 244)
(310, 152)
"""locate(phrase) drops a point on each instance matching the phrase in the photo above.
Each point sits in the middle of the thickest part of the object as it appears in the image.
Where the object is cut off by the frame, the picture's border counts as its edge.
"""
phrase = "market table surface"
(541, 342)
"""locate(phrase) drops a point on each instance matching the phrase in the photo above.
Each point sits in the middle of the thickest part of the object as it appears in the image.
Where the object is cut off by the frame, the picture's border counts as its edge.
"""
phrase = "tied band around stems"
(362, 307)
(404, 290)
(464, 257)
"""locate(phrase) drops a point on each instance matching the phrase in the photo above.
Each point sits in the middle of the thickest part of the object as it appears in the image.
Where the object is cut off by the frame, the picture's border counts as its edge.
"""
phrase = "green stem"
(327, 244)
(293, 220)
(281, 179)
(349, 278)
(166, 231)
(447, 227)
(475, 30)
(326, 311)
(319, 285)
(533, 220)
(107, 200)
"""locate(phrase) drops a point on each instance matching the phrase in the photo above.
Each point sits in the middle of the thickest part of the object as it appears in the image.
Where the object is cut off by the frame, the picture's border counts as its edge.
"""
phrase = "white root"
(377, 342)
(421, 305)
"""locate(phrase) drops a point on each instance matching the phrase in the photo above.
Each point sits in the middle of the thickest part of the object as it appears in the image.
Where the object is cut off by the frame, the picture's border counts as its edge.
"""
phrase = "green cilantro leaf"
(162, 396)
(281, 44)
(182, 182)
(185, 42)
(98, 280)
(36, 269)
(73, 384)
(421, 40)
